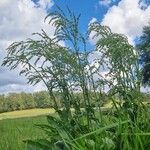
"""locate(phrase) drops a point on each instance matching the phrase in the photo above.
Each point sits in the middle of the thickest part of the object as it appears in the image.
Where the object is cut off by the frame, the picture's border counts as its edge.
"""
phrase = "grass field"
(17, 126)
(26, 113)
(14, 131)
(35, 112)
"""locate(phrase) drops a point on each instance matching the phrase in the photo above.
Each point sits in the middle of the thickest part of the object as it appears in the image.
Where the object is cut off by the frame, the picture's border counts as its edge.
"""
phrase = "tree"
(2, 100)
(42, 99)
(27, 101)
(144, 49)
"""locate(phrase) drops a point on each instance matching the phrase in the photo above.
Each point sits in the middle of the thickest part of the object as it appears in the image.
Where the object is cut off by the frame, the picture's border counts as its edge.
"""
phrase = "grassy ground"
(35, 112)
(14, 131)
(26, 113)
(17, 126)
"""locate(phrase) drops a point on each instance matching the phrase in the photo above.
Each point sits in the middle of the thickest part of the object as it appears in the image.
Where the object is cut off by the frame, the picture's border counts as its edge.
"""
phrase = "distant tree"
(27, 100)
(13, 102)
(2, 98)
(144, 49)
(42, 99)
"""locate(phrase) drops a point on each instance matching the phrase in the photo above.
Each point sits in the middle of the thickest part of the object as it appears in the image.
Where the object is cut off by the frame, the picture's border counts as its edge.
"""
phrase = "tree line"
(21, 101)
(41, 99)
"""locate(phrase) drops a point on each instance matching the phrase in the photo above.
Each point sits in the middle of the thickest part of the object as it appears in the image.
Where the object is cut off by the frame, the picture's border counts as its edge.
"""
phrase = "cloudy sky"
(20, 18)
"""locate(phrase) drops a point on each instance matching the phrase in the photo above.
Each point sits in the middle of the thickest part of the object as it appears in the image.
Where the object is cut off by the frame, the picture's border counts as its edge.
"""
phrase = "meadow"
(18, 126)
(14, 131)
(26, 113)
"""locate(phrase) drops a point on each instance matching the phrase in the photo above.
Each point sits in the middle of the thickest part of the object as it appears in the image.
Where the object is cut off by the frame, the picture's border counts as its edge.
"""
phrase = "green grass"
(20, 127)
(26, 113)
(36, 112)
(17, 126)
(14, 131)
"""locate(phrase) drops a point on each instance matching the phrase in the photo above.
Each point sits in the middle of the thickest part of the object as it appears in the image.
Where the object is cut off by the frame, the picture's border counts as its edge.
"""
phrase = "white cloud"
(92, 20)
(45, 3)
(19, 19)
(106, 2)
(91, 39)
(128, 18)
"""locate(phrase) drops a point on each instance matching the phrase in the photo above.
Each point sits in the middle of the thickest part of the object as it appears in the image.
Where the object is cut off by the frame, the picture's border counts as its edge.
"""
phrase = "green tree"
(2, 100)
(144, 49)
(13, 101)
(42, 99)
(27, 101)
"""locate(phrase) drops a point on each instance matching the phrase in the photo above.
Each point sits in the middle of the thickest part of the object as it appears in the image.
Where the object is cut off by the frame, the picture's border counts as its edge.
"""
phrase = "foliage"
(21, 101)
(119, 58)
(42, 99)
(144, 48)
(24, 128)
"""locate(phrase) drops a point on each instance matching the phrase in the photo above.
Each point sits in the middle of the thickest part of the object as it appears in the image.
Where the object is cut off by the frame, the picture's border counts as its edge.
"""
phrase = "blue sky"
(20, 18)
(87, 8)
(99, 9)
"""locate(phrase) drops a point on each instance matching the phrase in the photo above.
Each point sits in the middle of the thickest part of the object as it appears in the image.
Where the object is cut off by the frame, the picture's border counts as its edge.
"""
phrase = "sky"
(20, 18)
